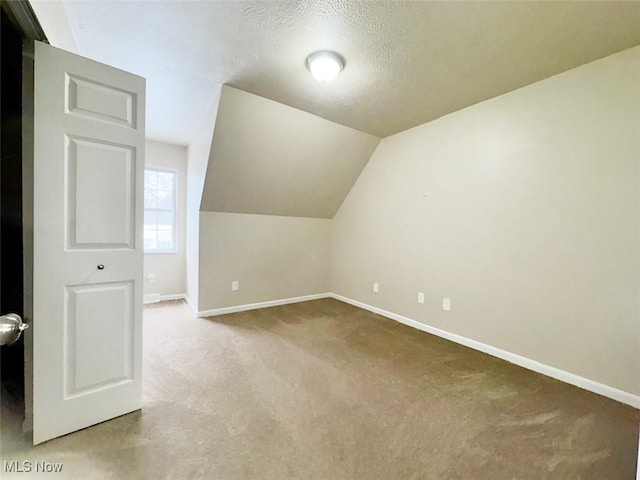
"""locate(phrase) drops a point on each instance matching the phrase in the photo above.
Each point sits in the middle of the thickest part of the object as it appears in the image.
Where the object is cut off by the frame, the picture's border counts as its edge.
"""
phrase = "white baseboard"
(254, 306)
(175, 296)
(148, 298)
(191, 304)
(564, 376)
(156, 297)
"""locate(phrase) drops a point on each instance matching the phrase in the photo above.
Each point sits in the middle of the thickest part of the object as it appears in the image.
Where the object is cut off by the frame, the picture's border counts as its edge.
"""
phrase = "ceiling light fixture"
(325, 65)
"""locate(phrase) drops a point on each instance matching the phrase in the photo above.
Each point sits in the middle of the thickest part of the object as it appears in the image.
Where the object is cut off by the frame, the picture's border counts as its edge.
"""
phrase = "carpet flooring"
(324, 390)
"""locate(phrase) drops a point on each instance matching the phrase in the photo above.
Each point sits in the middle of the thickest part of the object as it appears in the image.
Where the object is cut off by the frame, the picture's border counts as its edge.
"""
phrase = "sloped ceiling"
(407, 62)
(268, 158)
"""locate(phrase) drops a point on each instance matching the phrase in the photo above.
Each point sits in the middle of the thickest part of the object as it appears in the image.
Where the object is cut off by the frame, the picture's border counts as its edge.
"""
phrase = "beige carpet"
(323, 390)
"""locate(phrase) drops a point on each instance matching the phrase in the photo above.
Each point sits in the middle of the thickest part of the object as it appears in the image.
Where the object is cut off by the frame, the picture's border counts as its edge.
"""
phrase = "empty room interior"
(321, 239)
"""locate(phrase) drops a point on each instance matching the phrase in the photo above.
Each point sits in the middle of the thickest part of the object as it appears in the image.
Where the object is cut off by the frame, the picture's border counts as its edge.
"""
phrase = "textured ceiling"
(407, 62)
(267, 158)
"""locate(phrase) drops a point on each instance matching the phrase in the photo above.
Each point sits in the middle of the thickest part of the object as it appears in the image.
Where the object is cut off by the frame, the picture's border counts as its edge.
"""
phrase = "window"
(159, 210)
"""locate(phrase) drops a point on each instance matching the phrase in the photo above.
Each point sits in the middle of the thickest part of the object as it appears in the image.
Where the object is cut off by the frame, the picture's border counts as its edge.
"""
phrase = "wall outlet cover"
(446, 304)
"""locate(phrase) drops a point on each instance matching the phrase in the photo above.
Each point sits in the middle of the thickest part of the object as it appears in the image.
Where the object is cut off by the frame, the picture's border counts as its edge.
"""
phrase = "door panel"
(100, 200)
(98, 326)
(101, 102)
(88, 210)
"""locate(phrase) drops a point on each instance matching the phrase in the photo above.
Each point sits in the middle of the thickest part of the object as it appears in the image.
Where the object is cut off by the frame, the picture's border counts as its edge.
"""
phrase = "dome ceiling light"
(325, 65)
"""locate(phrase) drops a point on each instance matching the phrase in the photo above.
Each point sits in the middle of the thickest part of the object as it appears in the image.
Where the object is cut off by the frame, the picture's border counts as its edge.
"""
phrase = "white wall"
(169, 268)
(273, 258)
(268, 158)
(275, 177)
(525, 211)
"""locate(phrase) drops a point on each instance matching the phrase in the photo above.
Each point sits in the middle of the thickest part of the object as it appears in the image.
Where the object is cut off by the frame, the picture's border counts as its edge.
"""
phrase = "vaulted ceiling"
(284, 144)
(407, 62)
(268, 158)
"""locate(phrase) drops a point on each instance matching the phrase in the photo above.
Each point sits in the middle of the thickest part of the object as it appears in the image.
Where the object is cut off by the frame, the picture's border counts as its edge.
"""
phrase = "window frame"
(174, 210)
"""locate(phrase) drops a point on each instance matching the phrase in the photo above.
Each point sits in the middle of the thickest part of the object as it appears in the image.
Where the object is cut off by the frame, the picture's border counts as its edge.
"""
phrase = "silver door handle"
(11, 326)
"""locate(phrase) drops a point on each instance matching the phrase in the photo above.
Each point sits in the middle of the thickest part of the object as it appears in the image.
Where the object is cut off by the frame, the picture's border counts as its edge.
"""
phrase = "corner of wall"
(198, 152)
(449, 208)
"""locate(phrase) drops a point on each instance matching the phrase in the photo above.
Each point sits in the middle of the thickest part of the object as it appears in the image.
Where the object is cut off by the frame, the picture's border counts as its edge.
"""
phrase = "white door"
(87, 273)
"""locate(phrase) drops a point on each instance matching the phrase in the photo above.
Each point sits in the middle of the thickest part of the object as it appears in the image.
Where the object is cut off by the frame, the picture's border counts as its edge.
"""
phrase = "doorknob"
(11, 326)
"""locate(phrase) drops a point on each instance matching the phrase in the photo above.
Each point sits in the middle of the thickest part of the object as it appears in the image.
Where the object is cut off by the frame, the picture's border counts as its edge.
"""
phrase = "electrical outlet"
(151, 277)
(420, 297)
(446, 304)
(235, 286)
(376, 287)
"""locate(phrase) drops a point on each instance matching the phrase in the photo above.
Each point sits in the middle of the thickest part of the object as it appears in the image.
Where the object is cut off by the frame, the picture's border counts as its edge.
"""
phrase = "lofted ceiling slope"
(407, 62)
(268, 158)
